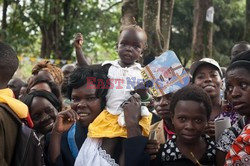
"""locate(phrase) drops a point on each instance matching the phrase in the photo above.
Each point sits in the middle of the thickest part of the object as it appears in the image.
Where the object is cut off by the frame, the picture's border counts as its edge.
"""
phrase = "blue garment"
(66, 158)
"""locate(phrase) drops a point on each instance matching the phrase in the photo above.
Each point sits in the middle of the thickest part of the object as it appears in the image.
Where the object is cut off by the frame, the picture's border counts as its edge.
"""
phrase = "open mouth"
(46, 126)
(82, 115)
(209, 88)
(127, 57)
(238, 105)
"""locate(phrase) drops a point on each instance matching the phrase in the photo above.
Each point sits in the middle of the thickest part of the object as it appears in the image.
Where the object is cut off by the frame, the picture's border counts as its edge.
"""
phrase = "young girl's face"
(130, 46)
(238, 90)
(189, 120)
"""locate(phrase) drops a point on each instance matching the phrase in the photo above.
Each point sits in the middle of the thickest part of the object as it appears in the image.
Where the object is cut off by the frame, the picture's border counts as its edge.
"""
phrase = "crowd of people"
(84, 114)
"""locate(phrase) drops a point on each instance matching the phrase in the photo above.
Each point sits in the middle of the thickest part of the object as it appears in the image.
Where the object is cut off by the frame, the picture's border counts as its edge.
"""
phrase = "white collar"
(116, 63)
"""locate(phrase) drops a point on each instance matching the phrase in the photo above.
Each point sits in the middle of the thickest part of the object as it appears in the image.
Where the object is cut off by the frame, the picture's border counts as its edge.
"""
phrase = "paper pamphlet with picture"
(166, 74)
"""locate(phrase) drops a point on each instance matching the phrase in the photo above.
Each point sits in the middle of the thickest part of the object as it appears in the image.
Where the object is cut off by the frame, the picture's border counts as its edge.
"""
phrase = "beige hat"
(203, 61)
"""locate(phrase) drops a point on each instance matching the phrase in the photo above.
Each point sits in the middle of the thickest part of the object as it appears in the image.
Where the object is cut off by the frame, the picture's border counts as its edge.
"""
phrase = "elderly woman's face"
(238, 90)
(208, 78)
(43, 114)
(86, 104)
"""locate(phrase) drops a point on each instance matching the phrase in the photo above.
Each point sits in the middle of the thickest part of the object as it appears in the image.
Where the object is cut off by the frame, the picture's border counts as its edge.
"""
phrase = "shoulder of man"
(6, 112)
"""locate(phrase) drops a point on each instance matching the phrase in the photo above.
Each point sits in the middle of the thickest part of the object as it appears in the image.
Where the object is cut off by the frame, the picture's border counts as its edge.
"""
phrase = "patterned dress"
(228, 136)
(169, 154)
(239, 154)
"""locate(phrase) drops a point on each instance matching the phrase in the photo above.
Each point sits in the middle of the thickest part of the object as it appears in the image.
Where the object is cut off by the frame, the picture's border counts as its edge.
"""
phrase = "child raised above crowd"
(124, 74)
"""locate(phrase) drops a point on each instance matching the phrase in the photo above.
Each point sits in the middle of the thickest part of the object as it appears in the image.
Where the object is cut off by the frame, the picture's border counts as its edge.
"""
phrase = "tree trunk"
(129, 12)
(4, 17)
(51, 31)
(157, 18)
(247, 25)
(202, 31)
(46, 43)
(55, 27)
(149, 25)
(167, 7)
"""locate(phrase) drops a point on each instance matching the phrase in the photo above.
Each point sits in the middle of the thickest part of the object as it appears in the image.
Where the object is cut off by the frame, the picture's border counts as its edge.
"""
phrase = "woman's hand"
(64, 121)
(132, 114)
(152, 148)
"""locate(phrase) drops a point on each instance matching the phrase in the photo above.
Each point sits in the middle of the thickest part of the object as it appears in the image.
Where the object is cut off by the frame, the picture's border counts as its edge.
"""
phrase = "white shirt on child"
(131, 76)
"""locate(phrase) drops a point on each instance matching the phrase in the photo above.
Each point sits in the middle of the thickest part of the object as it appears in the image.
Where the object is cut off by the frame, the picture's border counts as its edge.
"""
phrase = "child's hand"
(152, 148)
(78, 41)
(141, 90)
(210, 129)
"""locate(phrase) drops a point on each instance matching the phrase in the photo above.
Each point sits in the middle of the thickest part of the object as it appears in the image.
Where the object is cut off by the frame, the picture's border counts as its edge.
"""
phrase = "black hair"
(240, 61)
(8, 63)
(53, 86)
(194, 93)
(80, 76)
(135, 28)
(27, 99)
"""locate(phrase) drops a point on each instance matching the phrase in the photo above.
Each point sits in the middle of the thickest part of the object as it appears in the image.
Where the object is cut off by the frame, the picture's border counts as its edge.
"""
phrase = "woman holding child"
(71, 126)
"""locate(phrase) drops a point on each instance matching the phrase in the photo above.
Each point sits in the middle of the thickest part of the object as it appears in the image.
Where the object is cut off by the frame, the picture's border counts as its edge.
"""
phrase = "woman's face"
(85, 103)
(189, 120)
(43, 114)
(208, 78)
(238, 90)
(162, 104)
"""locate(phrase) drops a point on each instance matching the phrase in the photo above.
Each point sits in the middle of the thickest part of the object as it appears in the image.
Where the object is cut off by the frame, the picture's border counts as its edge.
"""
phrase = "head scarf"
(45, 94)
(55, 71)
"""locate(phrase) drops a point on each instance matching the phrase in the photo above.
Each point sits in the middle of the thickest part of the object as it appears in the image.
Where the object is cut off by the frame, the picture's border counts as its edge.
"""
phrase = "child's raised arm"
(81, 59)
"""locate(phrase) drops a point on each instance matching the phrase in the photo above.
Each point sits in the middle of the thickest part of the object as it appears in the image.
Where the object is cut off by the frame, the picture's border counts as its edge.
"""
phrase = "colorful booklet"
(165, 74)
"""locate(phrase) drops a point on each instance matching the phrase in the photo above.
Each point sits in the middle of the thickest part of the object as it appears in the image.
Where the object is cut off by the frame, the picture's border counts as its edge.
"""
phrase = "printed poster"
(166, 74)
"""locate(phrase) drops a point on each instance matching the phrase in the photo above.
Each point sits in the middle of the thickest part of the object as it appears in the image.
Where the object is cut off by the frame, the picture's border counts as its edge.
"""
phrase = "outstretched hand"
(78, 41)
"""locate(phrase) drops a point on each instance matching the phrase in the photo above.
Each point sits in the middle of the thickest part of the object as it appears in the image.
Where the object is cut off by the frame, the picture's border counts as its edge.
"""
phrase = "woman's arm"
(64, 121)
(134, 145)
(220, 157)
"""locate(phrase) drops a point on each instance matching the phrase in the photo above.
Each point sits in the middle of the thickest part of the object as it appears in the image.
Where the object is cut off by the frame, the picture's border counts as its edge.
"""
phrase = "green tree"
(247, 24)
(157, 19)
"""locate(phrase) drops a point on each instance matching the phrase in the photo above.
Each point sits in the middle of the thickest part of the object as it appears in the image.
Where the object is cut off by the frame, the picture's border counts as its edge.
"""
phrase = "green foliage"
(98, 24)
(228, 27)
(181, 36)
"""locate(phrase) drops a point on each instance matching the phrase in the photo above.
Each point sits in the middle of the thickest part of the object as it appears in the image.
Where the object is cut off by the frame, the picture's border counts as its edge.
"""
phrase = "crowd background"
(45, 29)
(61, 105)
